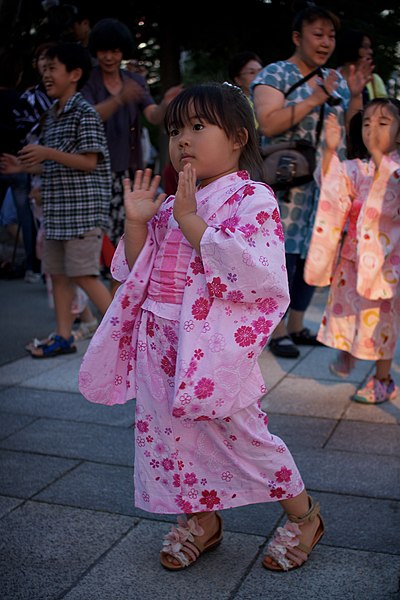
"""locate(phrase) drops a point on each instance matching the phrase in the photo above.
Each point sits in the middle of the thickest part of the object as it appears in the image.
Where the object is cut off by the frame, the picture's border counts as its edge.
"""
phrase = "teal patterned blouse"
(298, 207)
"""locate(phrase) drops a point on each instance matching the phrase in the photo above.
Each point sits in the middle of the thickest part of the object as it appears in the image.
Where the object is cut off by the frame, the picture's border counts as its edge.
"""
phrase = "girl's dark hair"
(348, 46)
(239, 61)
(391, 103)
(73, 56)
(225, 106)
(310, 12)
(111, 34)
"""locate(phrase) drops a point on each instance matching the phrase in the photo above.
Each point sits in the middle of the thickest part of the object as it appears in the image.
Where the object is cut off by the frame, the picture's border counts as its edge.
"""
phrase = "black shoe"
(284, 347)
(305, 338)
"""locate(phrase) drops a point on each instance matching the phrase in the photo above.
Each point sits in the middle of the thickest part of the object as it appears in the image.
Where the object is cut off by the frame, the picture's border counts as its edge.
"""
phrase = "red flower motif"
(190, 479)
(279, 232)
(204, 388)
(284, 474)
(197, 266)
(277, 493)
(262, 325)
(200, 309)
(243, 174)
(248, 230)
(275, 216)
(167, 464)
(168, 362)
(216, 287)
(267, 305)
(142, 426)
(245, 336)
(178, 412)
(235, 296)
(150, 328)
(249, 190)
(125, 302)
(262, 217)
(230, 224)
(210, 499)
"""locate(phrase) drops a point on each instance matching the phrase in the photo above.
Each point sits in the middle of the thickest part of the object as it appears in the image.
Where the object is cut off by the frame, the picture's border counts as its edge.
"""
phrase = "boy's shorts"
(74, 258)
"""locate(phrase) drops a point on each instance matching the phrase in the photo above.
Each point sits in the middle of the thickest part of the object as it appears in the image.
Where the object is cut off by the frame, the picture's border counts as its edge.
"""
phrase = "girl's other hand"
(142, 202)
(185, 197)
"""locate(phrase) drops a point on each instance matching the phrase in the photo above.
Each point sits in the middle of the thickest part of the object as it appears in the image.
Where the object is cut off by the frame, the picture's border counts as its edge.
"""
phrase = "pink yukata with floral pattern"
(183, 336)
(358, 222)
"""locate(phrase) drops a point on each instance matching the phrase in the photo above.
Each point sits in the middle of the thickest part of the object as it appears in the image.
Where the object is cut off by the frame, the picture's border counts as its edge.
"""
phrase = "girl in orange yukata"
(359, 210)
(205, 284)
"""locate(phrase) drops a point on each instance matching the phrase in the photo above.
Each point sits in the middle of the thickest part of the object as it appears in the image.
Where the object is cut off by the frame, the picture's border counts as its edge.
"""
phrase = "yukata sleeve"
(108, 371)
(332, 212)
(378, 234)
(244, 259)
(226, 319)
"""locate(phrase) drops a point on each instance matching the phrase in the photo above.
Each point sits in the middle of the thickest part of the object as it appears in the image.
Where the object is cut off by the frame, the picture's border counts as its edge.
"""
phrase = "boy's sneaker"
(376, 391)
(31, 277)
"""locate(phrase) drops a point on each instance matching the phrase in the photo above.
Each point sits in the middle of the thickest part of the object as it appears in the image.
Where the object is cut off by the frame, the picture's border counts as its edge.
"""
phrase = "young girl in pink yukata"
(204, 286)
(359, 210)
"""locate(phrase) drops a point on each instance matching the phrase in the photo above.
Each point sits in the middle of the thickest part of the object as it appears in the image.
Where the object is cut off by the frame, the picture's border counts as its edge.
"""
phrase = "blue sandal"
(54, 347)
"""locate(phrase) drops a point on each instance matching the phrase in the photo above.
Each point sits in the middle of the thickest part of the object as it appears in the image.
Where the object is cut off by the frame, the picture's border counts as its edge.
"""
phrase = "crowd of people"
(204, 278)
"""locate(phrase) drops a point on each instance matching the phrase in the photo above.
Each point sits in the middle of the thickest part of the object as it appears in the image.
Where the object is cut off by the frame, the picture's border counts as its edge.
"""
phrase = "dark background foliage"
(207, 34)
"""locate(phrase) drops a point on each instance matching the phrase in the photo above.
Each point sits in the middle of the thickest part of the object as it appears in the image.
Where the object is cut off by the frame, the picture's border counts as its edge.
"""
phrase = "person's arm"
(131, 92)
(275, 118)
(34, 154)
(357, 79)
(155, 113)
(10, 165)
(185, 208)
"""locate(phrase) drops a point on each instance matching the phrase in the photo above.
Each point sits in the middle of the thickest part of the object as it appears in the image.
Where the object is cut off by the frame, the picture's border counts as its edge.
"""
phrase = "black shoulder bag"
(292, 162)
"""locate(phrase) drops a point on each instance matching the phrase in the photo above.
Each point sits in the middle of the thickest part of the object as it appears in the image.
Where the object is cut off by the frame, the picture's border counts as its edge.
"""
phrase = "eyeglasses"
(251, 72)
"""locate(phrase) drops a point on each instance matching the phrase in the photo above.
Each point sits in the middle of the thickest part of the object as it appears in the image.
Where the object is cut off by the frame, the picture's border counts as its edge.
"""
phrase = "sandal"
(287, 539)
(54, 347)
(284, 347)
(85, 331)
(182, 543)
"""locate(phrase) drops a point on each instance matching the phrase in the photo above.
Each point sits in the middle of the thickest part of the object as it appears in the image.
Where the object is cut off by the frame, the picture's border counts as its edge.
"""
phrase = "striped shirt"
(75, 201)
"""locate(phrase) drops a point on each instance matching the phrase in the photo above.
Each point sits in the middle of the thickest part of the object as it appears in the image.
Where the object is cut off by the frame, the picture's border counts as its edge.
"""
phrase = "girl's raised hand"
(142, 202)
(185, 197)
(332, 132)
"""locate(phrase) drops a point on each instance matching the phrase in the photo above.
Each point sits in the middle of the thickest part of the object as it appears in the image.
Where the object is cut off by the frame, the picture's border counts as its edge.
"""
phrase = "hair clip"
(235, 87)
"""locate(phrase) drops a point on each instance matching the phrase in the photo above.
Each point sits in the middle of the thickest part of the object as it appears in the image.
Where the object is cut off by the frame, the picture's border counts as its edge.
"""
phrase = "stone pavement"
(68, 527)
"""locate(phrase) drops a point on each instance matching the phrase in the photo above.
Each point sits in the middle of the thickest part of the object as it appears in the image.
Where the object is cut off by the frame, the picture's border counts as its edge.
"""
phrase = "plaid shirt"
(75, 201)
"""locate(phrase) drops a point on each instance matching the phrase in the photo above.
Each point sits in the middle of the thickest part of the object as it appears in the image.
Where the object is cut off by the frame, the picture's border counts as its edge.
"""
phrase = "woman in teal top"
(296, 117)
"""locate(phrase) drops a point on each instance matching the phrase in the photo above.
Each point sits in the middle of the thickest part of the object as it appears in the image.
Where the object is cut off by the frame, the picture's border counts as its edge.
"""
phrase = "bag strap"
(317, 71)
(303, 80)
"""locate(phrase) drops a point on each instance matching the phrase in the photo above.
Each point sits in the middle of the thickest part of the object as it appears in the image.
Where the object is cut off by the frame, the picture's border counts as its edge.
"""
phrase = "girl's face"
(109, 60)
(206, 147)
(316, 42)
(381, 129)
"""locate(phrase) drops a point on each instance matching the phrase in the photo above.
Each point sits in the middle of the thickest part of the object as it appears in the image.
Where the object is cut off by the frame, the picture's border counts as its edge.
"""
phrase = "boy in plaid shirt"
(74, 162)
